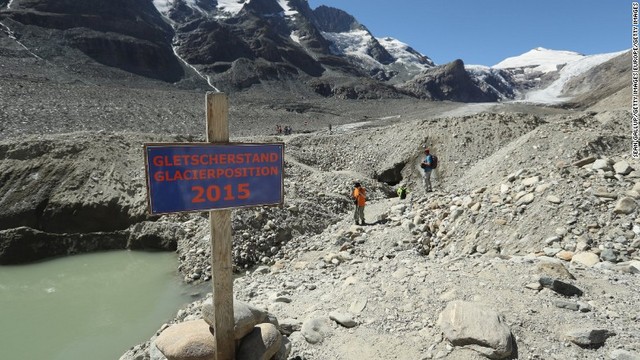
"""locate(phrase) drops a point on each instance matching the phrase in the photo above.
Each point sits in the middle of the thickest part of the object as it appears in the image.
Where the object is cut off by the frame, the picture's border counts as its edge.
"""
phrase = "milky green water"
(82, 307)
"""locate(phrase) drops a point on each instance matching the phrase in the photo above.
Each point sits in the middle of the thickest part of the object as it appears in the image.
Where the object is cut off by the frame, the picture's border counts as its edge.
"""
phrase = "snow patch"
(231, 7)
(539, 59)
(552, 94)
(288, 11)
(163, 6)
(354, 43)
(207, 78)
(295, 37)
(403, 52)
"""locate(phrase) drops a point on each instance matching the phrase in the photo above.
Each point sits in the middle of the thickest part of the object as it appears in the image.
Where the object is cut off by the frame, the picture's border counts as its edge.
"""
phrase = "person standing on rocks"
(359, 198)
(402, 192)
(427, 167)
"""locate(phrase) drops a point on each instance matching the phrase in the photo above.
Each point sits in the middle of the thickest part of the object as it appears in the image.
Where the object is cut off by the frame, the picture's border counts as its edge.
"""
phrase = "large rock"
(260, 344)
(245, 317)
(191, 340)
(478, 327)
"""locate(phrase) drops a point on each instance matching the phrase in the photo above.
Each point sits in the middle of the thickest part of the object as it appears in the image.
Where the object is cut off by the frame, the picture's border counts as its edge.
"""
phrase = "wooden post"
(221, 240)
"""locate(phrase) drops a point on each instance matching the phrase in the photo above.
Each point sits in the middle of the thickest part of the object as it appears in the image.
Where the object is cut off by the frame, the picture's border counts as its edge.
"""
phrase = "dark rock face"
(259, 45)
(23, 245)
(334, 20)
(129, 35)
(65, 197)
(448, 82)
(248, 50)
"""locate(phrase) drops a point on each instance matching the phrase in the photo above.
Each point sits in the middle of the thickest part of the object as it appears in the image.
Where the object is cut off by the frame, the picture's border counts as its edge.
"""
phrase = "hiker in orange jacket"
(360, 199)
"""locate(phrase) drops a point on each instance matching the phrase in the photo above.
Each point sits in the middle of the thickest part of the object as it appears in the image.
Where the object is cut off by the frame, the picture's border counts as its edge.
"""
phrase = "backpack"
(403, 193)
(434, 161)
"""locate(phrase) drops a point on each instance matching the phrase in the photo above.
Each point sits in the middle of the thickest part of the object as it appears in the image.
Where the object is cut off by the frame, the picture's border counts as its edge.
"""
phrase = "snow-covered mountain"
(539, 60)
(289, 30)
(268, 45)
(542, 74)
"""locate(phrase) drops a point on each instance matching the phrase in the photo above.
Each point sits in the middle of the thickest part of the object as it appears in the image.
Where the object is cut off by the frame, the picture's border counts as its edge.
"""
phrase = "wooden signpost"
(221, 241)
(217, 176)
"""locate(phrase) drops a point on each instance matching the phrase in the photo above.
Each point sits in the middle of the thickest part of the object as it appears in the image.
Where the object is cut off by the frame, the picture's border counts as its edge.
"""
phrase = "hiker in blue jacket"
(426, 166)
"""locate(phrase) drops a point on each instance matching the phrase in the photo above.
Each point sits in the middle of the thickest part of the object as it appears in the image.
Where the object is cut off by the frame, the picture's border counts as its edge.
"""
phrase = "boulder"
(245, 317)
(261, 343)
(191, 340)
(478, 327)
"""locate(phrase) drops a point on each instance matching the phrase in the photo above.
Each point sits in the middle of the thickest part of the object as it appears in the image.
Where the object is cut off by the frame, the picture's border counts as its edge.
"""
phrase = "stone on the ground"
(260, 344)
(584, 161)
(585, 258)
(602, 164)
(191, 340)
(608, 255)
(554, 268)
(626, 205)
(622, 167)
(343, 319)
(289, 326)
(560, 287)
(478, 327)
(553, 199)
(588, 337)
(525, 200)
(316, 329)
(569, 305)
(245, 317)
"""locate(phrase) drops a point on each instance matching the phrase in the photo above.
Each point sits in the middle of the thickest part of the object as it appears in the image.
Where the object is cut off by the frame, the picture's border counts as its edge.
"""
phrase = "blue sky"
(485, 32)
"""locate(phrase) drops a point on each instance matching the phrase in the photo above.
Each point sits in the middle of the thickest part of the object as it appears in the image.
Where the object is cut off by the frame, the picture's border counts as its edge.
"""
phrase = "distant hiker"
(402, 192)
(330, 129)
(278, 129)
(359, 199)
(427, 166)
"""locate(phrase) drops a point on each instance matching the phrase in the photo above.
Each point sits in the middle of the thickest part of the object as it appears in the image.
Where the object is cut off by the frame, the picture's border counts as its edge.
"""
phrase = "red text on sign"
(213, 193)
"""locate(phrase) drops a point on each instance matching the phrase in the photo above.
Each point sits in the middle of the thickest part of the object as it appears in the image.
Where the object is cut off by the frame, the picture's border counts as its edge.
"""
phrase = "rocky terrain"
(532, 203)
(528, 248)
(546, 223)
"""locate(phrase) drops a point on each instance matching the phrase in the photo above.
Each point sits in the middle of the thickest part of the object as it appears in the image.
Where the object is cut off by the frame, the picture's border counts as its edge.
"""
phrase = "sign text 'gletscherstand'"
(198, 177)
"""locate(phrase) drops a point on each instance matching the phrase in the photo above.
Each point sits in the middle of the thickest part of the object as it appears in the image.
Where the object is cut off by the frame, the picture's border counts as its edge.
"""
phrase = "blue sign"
(198, 177)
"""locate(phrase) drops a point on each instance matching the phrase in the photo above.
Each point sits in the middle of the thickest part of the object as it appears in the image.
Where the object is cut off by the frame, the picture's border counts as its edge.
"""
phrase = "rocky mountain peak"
(450, 82)
(263, 7)
(330, 19)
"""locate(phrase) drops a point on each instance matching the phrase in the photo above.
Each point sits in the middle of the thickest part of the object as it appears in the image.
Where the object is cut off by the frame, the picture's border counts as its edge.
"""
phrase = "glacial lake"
(92, 306)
